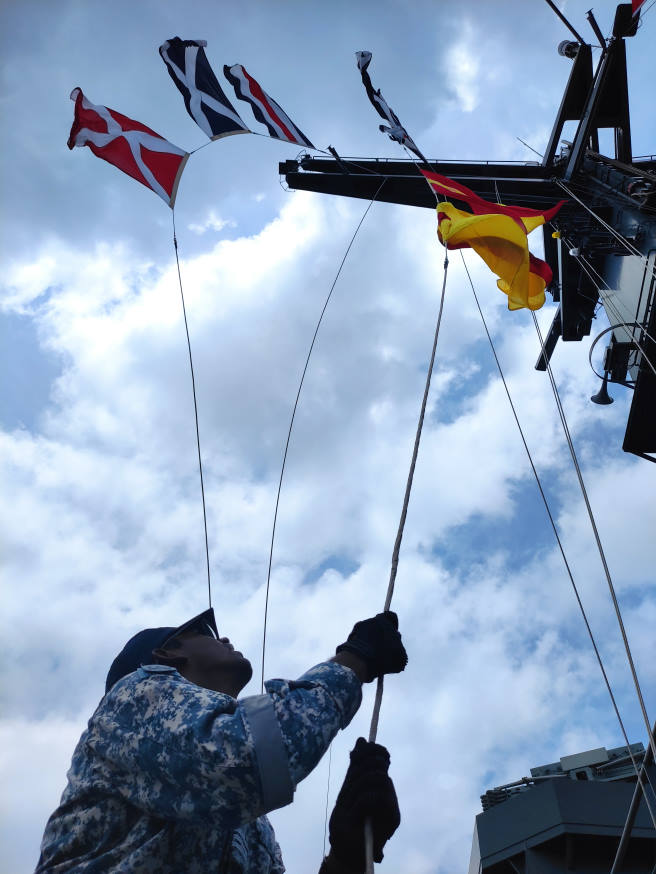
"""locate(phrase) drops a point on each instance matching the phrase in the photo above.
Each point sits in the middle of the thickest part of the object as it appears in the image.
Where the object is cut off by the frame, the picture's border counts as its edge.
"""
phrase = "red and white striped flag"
(129, 145)
(265, 108)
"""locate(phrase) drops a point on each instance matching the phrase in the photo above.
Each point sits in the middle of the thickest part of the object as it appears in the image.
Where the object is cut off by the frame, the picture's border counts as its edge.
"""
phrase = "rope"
(555, 529)
(408, 488)
(373, 729)
(325, 822)
(291, 422)
(193, 389)
(379, 690)
(198, 148)
(378, 700)
(600, 549)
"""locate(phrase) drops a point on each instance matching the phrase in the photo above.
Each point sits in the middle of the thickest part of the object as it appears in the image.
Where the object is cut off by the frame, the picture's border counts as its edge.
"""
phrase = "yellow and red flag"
(499, 234)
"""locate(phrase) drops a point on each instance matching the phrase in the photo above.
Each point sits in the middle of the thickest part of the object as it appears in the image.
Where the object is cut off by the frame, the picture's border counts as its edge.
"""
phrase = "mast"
(606, 252)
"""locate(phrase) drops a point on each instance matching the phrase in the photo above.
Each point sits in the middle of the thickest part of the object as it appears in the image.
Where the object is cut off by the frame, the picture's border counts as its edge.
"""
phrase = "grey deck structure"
(568, 816)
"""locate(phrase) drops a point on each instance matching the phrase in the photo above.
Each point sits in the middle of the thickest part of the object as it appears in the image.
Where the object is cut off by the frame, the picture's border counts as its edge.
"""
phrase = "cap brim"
(205, 618)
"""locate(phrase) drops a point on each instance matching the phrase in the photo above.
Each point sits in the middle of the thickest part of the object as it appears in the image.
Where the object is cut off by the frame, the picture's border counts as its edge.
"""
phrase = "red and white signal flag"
(129, 145)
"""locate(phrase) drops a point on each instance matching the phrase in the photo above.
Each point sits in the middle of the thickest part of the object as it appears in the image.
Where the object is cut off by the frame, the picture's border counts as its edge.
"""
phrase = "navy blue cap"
(139, 649)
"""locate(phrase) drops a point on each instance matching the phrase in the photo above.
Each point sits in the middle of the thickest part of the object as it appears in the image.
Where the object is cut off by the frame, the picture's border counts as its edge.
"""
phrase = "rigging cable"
(593, 523)
(291, 421)
(626, 243)
(555, 530)
(585, 189)
(587, 262)
(193, 389)
(612, 305)
(633, 809)
(629, 327)
(643, 12)
(598, 540)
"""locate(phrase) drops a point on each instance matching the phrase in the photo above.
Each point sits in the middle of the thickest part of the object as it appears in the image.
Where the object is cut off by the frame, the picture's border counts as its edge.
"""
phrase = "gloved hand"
(378, 643)
(367, 792)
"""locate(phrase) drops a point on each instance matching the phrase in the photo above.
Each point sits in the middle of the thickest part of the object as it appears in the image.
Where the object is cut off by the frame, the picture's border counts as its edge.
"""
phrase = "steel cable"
(193, 389)
(595, 530)
(626, 243)
(293, 416)
(555, 531)
(608, 303)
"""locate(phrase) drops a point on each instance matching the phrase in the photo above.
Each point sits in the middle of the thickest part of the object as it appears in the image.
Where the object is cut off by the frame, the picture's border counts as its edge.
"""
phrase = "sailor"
(175, 774)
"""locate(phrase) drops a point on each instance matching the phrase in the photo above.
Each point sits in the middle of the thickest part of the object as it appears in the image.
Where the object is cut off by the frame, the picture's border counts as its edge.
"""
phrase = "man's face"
(202, 647)
(207, 659)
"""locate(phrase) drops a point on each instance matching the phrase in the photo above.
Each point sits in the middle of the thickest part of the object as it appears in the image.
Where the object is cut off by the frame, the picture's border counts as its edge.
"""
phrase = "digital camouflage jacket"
(172, 778)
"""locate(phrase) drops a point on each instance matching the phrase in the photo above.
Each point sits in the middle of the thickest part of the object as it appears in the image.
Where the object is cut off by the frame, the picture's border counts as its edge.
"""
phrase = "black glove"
(367, 792)
(378, 643)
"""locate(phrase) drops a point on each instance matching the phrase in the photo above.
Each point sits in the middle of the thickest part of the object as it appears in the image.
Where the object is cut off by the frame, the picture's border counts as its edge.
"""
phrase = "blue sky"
(100, 504)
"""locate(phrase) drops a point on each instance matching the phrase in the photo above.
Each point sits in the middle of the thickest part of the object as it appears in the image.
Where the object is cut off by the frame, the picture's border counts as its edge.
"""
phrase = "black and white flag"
(203, 96)
(394, 129)
(265, 108)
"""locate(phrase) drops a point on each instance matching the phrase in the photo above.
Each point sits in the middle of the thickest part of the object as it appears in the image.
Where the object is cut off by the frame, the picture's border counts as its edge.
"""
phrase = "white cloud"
(24, 812)
(109, 492)
(213, 222)
(463, 65)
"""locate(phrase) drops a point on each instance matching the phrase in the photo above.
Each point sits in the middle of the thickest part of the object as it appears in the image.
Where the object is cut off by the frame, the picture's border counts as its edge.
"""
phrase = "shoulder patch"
(158, 669)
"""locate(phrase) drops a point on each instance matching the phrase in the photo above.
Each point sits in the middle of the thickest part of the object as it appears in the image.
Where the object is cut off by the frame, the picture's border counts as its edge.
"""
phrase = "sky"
(100, 500)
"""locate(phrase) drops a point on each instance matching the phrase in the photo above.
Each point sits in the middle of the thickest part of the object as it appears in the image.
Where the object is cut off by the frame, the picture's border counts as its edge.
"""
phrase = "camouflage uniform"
(172, 778)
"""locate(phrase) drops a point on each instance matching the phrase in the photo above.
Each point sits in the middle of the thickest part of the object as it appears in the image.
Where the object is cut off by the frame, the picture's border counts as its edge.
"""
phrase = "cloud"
(109, 492)
(464, 69)
(24, 812)
(213, 222)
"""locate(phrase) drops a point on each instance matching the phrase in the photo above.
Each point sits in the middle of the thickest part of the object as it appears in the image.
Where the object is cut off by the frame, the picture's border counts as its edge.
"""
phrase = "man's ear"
(170, 657)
